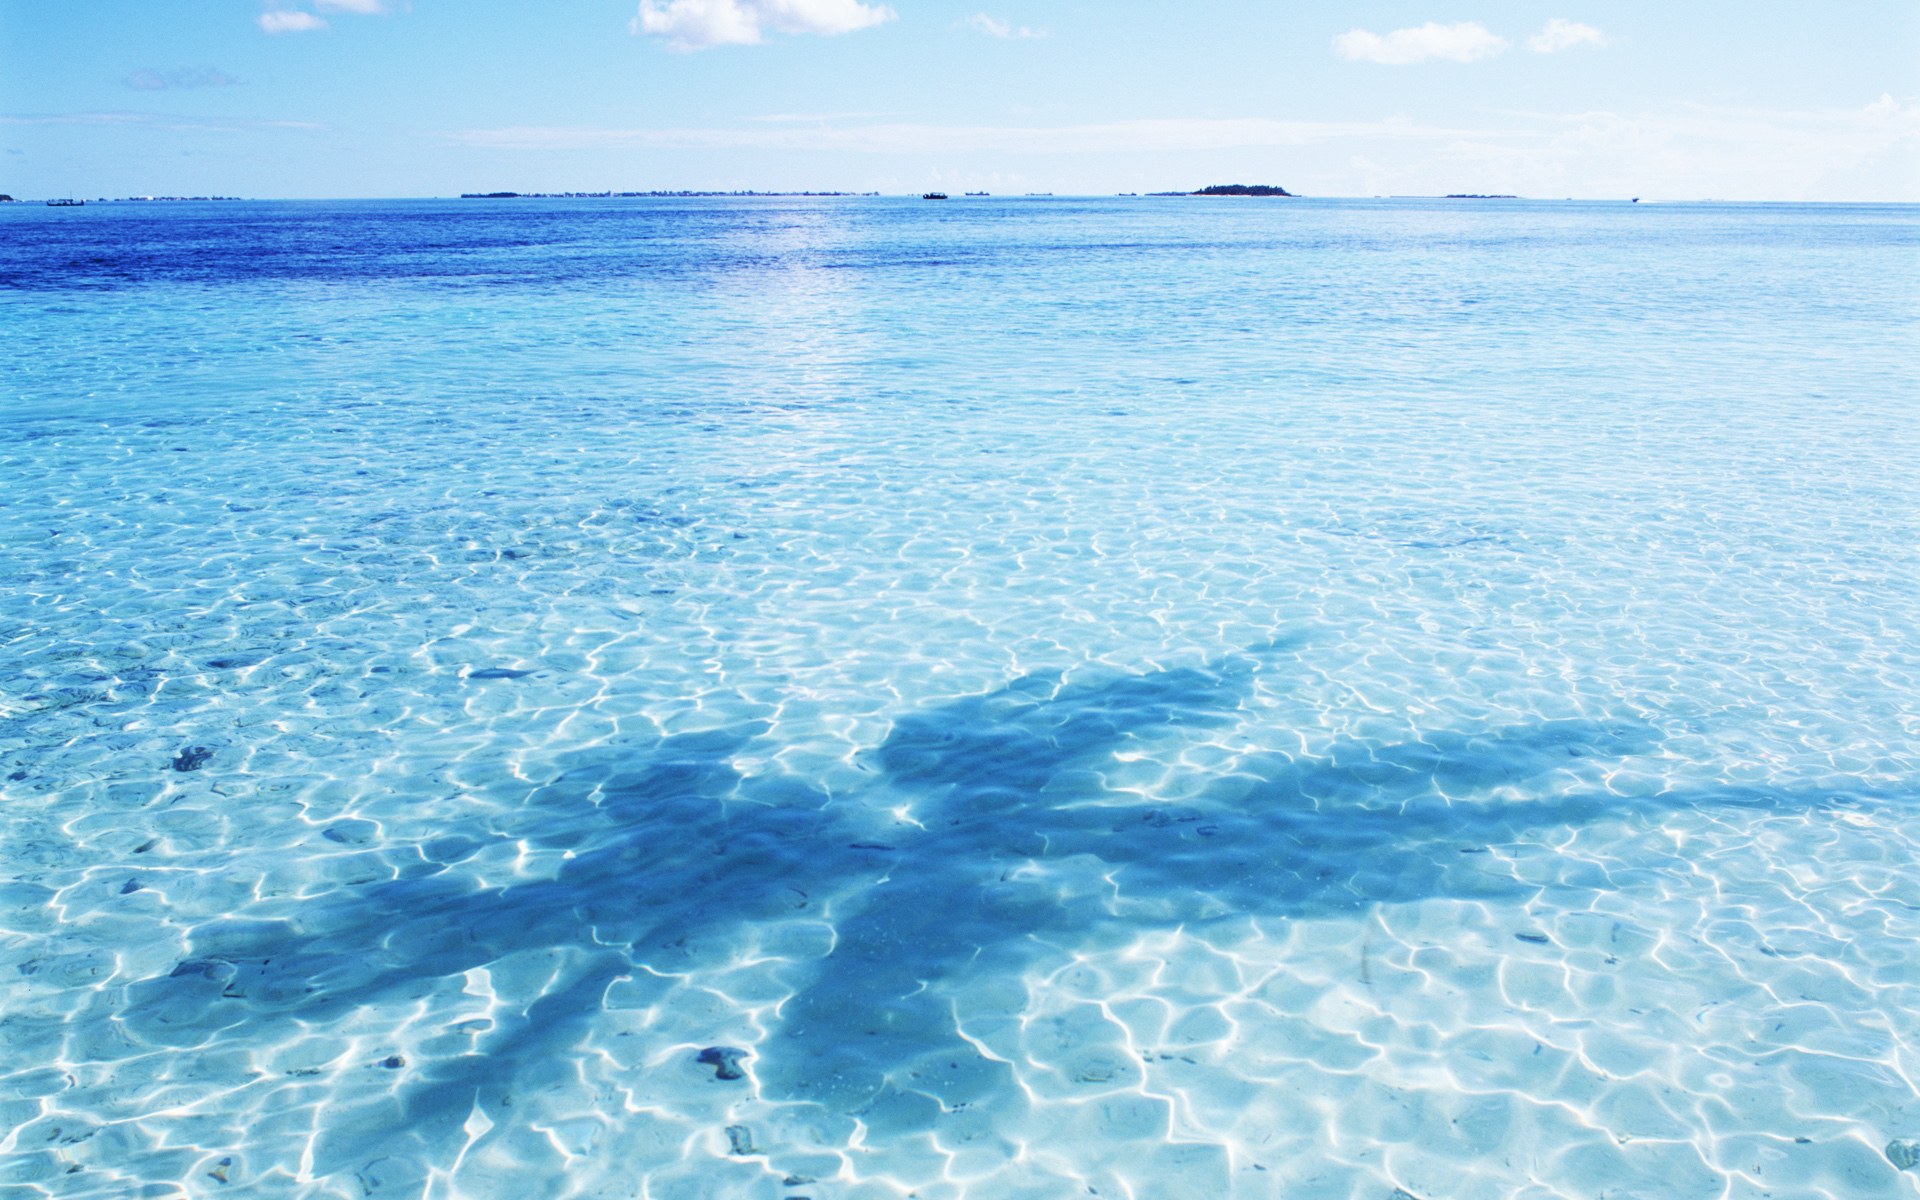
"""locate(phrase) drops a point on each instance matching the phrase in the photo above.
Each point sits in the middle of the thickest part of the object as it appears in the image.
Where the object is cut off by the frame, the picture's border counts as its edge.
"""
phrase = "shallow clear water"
(1139, 698)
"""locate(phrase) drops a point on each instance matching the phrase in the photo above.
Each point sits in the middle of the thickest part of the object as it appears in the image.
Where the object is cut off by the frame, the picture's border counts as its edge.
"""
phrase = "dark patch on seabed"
(671, 843)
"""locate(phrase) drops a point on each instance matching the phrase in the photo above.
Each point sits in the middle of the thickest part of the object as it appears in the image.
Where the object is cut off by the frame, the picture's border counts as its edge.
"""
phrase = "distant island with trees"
(1241, 189)
(1232, 189)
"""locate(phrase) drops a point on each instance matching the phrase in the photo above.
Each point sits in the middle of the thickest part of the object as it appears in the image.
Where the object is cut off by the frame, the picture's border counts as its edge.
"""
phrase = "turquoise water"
(866, 699)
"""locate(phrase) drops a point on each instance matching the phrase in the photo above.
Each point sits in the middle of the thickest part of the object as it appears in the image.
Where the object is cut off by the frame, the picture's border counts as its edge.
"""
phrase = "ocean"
(866, 698)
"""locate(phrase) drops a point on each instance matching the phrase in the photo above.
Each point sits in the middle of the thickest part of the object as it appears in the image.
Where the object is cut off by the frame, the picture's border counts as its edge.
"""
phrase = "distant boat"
(65, 203)
(933, 195)
(979, 193)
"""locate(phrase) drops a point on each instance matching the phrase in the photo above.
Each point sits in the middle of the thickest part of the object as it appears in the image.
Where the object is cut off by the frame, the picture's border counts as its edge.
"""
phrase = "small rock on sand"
(725, 1061)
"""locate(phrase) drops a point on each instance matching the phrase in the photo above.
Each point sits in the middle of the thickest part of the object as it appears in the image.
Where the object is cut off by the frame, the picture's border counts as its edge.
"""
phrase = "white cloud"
(281, 20)
(1004, 30)
(1562, 34)
(701, 24)
(1465, 42)
(1888, 111)
(278, 18)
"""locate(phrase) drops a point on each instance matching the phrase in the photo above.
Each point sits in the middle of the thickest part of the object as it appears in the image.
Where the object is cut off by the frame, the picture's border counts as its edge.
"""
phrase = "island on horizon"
(1242, 189)
(1232, 189)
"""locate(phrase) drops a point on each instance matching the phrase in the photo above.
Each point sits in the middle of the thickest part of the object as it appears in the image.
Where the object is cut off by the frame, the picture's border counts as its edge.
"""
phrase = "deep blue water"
(1156, 698)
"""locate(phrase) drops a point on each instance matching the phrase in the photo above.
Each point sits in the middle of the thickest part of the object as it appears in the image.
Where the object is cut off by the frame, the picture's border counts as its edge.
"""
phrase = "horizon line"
(871, 194)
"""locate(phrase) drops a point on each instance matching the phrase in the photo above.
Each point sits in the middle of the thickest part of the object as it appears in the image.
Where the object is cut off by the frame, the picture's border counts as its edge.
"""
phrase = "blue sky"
(1675, 99)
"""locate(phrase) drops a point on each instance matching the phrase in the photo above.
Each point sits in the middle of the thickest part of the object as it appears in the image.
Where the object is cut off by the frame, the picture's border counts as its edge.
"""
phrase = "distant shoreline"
(638, 195)
(5, 199)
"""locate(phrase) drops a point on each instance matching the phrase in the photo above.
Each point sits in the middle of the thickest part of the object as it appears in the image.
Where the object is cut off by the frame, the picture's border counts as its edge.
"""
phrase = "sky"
(1663, 99)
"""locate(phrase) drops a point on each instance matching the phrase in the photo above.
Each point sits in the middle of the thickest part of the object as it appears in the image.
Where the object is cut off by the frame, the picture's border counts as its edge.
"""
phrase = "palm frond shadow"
(1008, 789)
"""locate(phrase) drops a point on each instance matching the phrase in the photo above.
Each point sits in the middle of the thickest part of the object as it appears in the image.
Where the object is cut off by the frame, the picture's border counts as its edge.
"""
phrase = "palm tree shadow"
(1013, 816)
